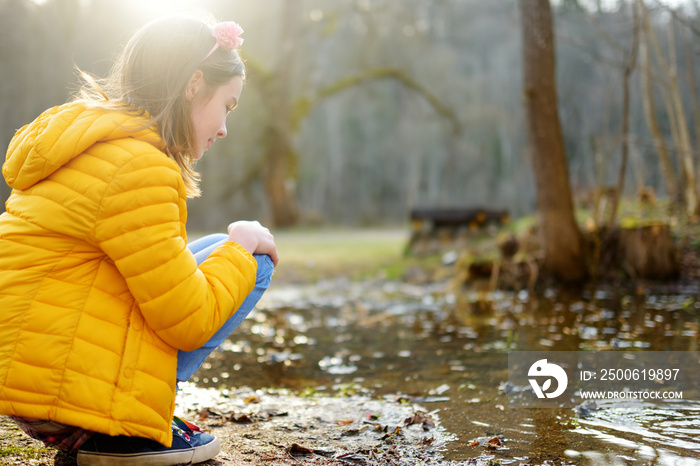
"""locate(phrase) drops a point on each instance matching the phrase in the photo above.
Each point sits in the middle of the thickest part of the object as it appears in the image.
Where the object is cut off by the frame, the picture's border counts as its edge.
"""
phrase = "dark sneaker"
(190, 446)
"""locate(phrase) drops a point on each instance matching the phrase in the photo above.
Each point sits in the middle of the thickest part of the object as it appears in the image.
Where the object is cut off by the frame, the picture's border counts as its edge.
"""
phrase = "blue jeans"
(189, 361)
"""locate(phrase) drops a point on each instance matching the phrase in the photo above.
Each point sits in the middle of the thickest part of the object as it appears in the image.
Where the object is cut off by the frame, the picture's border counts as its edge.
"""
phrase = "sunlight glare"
(158, 8)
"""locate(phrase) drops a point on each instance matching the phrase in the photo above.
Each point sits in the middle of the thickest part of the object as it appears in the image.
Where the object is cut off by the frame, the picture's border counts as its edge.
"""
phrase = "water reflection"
(428, 344)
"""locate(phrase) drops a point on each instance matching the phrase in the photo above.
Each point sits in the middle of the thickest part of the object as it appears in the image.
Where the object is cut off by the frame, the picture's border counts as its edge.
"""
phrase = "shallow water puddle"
(422, 344)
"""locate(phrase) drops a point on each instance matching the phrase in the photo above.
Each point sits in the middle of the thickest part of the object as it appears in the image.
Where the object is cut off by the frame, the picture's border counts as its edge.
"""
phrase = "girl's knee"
(265, 267)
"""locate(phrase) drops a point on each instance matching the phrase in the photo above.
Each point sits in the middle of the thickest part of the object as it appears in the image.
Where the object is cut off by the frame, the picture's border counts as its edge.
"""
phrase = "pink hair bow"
(227, 36)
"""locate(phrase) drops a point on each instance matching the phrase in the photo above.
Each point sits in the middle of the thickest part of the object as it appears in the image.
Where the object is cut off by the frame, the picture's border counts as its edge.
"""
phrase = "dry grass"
(310, 255)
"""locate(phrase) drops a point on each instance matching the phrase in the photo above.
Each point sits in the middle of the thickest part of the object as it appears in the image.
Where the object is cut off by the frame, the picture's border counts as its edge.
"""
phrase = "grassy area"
(312, 254)
(22, 453)
(18, 449)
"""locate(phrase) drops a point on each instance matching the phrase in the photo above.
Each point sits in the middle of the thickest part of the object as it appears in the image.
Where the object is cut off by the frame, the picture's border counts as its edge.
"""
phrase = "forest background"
(356, 111)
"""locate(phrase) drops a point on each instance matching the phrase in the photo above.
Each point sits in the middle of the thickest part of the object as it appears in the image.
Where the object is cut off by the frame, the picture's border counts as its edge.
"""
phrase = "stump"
(649, 252)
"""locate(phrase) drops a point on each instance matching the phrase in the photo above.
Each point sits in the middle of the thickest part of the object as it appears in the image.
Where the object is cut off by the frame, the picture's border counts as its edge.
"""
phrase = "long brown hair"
(150, 75)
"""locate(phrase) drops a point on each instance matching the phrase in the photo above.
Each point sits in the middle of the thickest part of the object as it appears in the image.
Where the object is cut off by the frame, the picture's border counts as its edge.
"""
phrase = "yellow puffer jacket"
(97, 288)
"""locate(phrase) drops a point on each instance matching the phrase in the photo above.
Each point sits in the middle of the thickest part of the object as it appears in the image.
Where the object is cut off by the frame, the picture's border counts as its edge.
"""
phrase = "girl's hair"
(151, 74)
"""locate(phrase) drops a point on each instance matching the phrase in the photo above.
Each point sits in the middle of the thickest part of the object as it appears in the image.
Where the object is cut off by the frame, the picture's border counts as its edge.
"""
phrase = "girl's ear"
(194, 85)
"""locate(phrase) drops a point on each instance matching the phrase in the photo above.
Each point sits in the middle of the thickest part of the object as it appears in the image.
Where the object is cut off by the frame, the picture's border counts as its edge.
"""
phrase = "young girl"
(103, 305)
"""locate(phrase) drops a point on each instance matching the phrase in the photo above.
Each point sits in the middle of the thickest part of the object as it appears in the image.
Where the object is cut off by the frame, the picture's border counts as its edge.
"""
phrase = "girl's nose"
(222, 131)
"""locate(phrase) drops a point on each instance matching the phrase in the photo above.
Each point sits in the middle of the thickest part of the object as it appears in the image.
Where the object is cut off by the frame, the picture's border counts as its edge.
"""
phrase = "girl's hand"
(255, 238)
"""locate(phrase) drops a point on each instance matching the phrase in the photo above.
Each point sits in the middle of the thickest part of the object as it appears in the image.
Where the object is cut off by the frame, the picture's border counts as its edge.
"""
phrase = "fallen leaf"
(420, 417)
(241, 418)
(297, 449)
(397, 431)
(493, 443)
(268, 414)
(208, 413)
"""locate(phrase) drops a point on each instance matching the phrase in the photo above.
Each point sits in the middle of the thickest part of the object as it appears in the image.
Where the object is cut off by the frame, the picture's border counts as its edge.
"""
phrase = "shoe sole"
(206, 452)
(168, 458)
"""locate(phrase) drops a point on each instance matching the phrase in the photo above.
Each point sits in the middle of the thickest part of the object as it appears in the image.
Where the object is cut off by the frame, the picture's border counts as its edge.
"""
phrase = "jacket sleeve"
(139, 227)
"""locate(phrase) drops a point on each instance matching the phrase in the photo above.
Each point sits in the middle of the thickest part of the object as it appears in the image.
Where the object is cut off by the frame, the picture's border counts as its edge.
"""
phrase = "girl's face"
(208, 111)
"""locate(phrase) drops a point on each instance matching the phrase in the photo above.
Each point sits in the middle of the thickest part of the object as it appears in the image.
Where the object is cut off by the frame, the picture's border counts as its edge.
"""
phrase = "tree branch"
(305, 106)
(684, 21)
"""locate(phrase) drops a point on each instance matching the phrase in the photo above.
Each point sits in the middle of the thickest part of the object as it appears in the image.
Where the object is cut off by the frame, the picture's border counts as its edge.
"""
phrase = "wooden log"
(456, 217)
(435, 228)
(649, 252)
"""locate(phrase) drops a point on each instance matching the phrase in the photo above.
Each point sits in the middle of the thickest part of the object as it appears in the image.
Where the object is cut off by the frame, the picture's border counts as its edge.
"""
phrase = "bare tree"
(646, 70)
(676, 111)
(279, 154)
(562, 240)
(629, 66)
(286, 112)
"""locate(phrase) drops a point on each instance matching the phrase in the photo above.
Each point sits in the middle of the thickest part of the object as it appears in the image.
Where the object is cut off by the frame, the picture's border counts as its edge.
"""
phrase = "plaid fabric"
(54, 434)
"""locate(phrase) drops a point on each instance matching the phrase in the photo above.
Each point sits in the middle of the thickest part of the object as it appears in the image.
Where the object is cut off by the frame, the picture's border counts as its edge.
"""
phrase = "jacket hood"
(61, 133)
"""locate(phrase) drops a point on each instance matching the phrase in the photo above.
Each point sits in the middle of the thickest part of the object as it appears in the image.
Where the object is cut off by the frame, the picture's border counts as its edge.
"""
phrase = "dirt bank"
(261, 427)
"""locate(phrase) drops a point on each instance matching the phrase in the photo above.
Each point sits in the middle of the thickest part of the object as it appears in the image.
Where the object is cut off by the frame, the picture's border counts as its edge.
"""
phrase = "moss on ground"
(16, 448)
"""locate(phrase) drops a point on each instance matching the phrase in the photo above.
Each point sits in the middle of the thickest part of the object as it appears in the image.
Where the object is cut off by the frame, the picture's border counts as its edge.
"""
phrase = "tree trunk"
(649, 252)
(279, 155)
(645, 75)
(690, 64)
(562, 240)
(630, 65)
(684, 142)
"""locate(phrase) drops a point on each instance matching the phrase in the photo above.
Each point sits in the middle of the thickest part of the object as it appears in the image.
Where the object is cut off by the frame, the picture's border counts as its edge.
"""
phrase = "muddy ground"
(259, 427)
